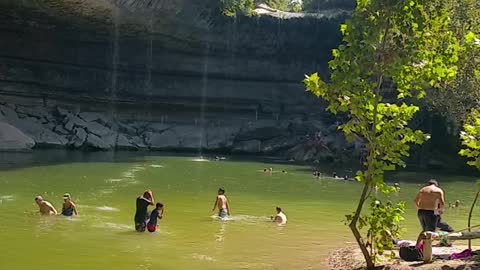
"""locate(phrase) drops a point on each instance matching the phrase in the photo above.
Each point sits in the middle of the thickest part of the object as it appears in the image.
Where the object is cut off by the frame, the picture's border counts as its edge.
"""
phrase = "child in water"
(69, 208)
(156, 214)
(222, 203)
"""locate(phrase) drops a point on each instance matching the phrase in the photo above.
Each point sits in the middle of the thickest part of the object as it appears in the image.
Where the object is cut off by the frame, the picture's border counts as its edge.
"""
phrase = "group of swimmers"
(68, 208)
(143, 219)
(149, 221)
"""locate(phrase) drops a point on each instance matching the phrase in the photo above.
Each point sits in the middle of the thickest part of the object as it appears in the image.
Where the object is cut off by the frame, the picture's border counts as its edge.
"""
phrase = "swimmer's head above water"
(39, 199)
(221, 191)
(432, 182)
(278, 209)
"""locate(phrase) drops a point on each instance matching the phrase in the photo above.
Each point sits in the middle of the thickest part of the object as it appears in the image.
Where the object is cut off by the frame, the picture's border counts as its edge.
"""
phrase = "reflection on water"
(220, 235)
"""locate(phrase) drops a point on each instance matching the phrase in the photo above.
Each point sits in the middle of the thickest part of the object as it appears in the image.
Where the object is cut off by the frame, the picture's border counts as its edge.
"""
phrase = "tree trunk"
(354, 229)
(470, 218)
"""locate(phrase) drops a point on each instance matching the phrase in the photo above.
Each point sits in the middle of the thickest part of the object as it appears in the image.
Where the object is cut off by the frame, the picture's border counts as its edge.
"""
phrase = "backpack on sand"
(411, 254)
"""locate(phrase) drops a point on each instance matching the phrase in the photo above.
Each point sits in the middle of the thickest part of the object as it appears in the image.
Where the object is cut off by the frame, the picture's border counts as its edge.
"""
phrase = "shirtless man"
(222, 203)
(430, 203)
(280, 218)
(46, 208)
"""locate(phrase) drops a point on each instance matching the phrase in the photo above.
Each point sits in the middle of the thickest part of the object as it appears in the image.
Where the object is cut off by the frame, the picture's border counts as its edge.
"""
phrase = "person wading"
(430, 203)
(142, 204)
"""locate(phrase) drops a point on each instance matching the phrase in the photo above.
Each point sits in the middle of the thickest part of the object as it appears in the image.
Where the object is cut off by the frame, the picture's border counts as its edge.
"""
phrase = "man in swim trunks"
(222, 203)
(69, 208)
(142, 204)
(430, 201)
(280, 218)
(46, 208)
(156, 214)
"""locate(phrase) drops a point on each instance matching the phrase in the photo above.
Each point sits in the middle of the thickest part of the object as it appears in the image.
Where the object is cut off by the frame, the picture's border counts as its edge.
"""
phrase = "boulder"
(139, 142)
(221, 137)
(281, 143)
(37, 112)
(260, 130)
(12, 139)
(157, 127)
(164, 140)
(95, 142)
(61, 130)
(127, 129)
(63, 112)
(40, 134)
(93, 116)
(96, 128)
(125, 143)
(252, 146)
(190, 137)
(79, 138)
(8, 113)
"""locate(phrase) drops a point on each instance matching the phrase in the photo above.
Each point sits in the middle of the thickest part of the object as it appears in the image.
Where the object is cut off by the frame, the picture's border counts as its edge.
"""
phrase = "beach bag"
(411, 254)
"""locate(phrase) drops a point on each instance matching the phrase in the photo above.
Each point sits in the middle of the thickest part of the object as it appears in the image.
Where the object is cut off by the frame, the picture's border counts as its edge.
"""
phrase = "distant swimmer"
(280, 218)
(142, 204)
(222, 203)
(457, 203)
(396, 186)
(46, 208)
(284, 171)
(69, 208)
(156, 214)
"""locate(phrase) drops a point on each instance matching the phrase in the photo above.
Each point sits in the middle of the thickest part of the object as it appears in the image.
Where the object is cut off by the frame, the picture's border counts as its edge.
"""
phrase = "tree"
(406, 45)
(237, 7)
(459, 96)
(317, 5)
(470, 137)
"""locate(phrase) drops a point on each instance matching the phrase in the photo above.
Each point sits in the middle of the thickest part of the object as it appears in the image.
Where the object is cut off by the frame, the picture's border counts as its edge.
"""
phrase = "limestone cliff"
(161, 75)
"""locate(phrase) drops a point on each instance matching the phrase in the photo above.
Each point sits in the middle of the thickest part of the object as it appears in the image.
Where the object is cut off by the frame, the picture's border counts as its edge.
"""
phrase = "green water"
(103, 237)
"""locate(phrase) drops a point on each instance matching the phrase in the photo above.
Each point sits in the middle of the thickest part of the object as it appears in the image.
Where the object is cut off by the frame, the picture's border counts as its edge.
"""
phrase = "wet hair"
(278, 209)
(432, 182)
(159, 205)
(222, 190)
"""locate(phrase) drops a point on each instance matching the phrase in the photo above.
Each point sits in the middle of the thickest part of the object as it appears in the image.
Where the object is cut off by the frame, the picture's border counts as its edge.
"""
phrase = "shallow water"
(103, 236)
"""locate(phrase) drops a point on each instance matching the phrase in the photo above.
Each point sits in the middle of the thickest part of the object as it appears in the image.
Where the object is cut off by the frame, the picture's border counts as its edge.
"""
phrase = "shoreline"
(351, 258)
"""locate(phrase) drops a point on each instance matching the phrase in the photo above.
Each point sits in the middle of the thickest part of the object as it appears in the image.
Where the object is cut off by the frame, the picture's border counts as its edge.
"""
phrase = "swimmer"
(142, 204)
(396, 186)
(284, 171)
(46, 208)
(156, 214)
(222, 203)
(280, 218)
(69, 208)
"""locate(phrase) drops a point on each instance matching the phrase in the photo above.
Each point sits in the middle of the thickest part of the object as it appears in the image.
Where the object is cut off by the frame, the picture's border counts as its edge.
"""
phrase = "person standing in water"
(156, 214)
(222, 203)
(69, 208)
(46, 208)
(430, 202)
(142, 204)
(280, 218)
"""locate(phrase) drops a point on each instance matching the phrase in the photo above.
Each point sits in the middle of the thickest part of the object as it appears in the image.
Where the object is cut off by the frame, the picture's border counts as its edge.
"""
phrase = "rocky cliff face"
(136, 74)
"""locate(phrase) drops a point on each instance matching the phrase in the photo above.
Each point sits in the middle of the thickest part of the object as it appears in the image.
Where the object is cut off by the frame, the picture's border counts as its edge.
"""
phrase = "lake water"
(105, 185)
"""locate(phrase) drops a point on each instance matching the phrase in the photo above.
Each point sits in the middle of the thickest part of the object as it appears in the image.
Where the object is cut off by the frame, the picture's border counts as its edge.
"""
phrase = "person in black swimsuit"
(142, 204)
(69, 208)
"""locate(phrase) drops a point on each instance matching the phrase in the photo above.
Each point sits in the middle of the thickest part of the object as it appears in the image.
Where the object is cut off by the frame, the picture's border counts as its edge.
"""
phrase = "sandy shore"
(352, 259)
